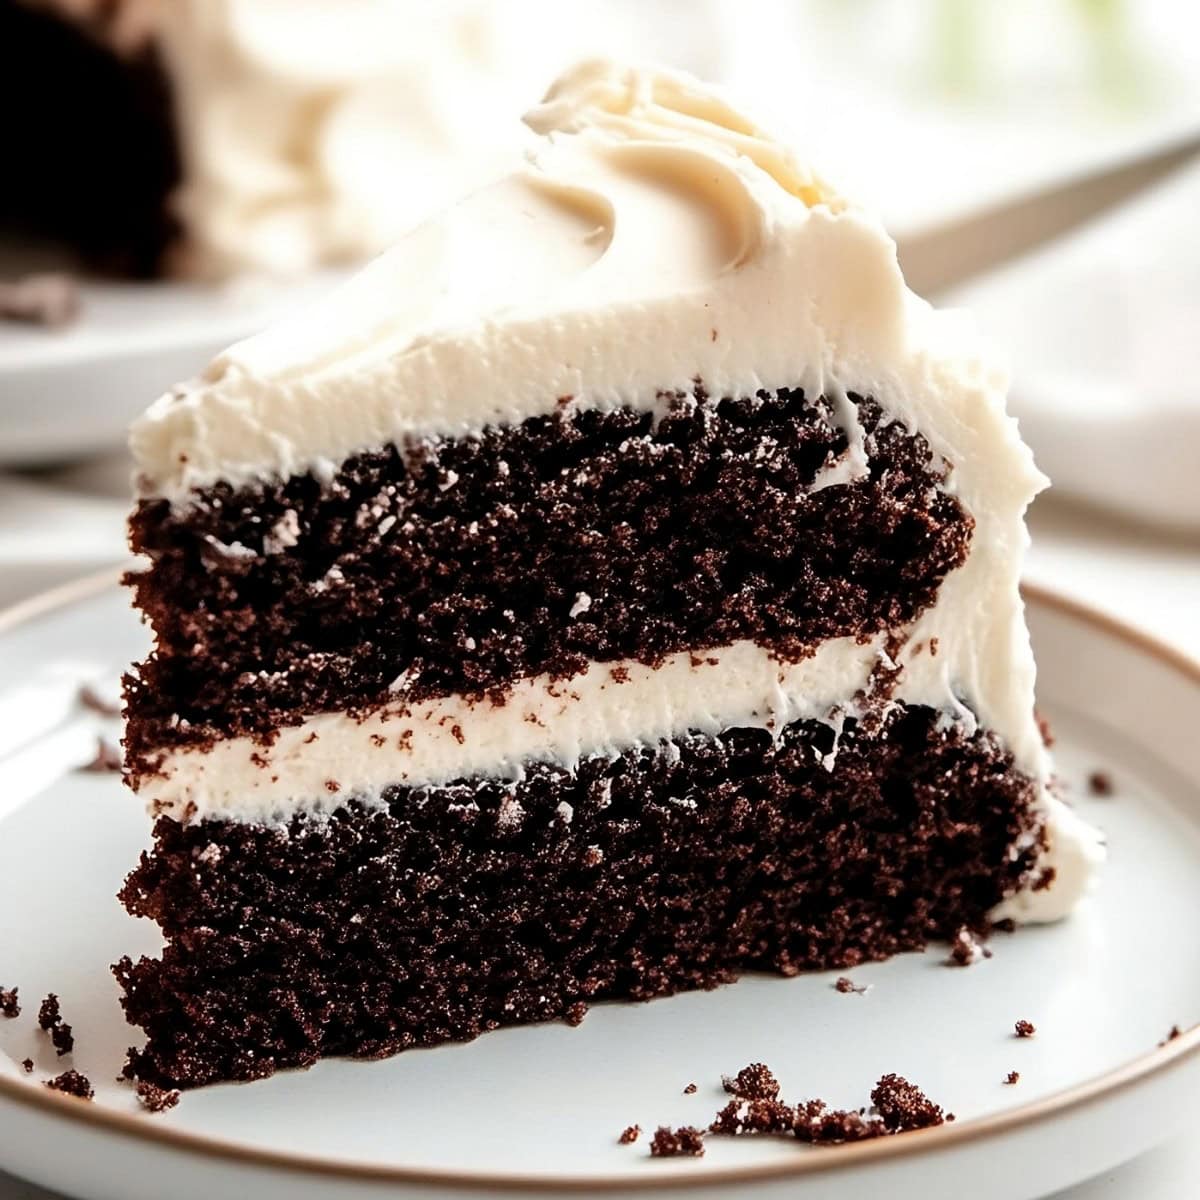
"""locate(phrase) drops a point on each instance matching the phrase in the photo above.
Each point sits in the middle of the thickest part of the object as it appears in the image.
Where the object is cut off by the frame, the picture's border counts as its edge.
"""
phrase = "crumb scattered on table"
(1172, 1034)
(1100, 783)
(690, 1090)
(630, 1134)
(1025, 1029)
(1012, 1077)
(10, 1006)
(846, 985)
(27, 1064)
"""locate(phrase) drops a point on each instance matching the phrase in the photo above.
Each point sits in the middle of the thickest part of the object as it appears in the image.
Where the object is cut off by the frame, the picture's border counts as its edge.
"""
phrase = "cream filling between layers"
(315, 767)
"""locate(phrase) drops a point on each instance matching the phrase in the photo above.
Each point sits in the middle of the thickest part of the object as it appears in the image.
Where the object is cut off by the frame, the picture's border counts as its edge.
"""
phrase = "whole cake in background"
(611, 589)
(214, 137)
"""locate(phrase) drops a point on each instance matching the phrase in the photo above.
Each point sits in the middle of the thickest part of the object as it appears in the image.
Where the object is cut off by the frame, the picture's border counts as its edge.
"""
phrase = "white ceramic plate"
(537, 1110)
(69, 392)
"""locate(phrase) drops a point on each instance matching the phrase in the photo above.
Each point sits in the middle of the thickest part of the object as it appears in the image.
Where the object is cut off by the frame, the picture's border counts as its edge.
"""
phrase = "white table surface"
(57, 525)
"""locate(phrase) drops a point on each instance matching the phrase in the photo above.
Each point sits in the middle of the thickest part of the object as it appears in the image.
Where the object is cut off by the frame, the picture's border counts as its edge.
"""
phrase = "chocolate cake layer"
(453, 910)
(462, 565)
(90, 155)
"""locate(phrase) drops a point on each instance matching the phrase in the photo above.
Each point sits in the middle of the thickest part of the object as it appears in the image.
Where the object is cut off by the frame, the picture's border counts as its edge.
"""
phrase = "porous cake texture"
(611, 590)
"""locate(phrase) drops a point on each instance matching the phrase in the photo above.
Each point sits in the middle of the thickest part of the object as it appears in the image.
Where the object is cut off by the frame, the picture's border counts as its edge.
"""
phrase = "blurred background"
(187, 169)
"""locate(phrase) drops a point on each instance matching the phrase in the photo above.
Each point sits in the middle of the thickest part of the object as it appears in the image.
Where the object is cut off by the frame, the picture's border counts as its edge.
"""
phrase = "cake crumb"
(129, 1067)
(92, 700)
(966, 949)
(9, 1004)
(1012, 1077)
(1024, 1029)
(846, 985)
(819, 1125)
(690, 1090)
(902, 1106)
(753, 1082)
(1100, 783)
(27, 1064)
(50, 1019)
(106, 758)
(71, 1083)
(899, 1107)
(754, 1116)
(575, 1014)
(156, 1099)
(1172, 1034)
(630, 1134)
(669, 1143)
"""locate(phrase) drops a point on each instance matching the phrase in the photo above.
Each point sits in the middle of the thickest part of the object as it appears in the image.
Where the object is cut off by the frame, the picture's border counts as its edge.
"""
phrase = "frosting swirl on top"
(653, 237)
(669, 106)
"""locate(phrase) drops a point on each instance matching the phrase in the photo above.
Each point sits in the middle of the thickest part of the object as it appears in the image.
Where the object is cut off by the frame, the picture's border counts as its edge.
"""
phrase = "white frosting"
(655, 237)
(310, 136)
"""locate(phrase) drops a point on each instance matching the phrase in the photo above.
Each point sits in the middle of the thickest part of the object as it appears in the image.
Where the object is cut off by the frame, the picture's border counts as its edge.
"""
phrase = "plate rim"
(136, 1127)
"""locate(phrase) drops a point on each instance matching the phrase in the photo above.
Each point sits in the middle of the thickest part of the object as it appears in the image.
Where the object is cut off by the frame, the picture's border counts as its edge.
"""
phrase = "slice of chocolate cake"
(612, 589)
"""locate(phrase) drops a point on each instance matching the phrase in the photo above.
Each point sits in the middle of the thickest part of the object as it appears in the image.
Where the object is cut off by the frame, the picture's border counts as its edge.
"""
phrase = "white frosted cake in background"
(612, 589)
(216, 137)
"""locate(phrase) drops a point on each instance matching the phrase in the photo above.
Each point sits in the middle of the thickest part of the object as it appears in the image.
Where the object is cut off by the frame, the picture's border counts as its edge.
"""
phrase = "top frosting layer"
(654, 236)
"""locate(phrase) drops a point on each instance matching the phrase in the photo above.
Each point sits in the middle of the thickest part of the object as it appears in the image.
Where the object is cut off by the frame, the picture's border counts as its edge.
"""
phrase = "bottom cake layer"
(444, 912)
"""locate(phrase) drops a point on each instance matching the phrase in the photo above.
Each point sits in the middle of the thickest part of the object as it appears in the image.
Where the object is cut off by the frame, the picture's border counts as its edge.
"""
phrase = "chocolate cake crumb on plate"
(753, 1082)
(966, 949)
(899, 1107)
(71, 1083)
(129, 1069)
(1012, 1077)
(1172, 1034)
(156, 1099)
(9, 1005)
(27, 1065)
(903, 1106)
(630, 1134)
(106, 758)
(670, 1143)
(575, 1013)
(846, 985)
(94, 702)
(1024, 1029)
(1100, 783)
(690, 1090)
(50, 1019)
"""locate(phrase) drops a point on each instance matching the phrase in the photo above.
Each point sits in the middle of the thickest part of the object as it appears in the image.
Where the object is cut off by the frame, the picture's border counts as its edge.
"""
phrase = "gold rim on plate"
(1161, 1060)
